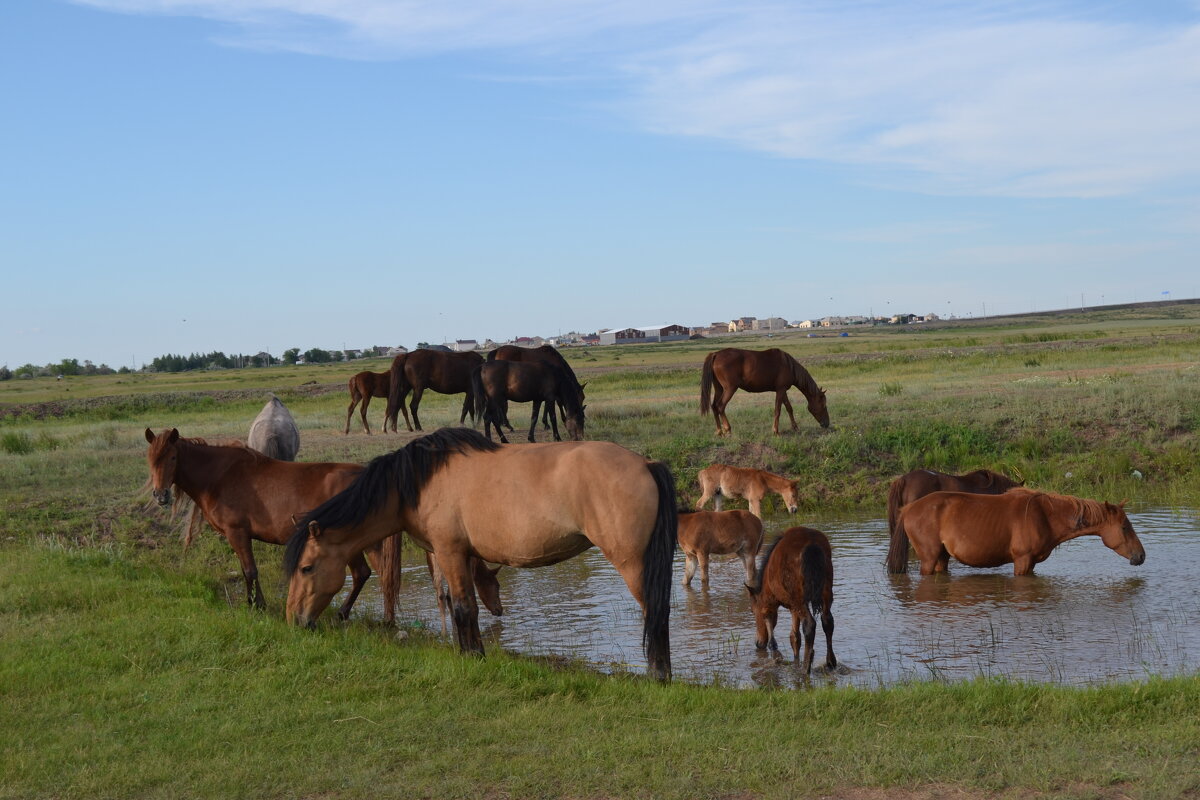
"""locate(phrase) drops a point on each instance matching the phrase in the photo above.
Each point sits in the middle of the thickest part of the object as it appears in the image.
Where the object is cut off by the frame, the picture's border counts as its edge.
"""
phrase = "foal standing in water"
(796, 573)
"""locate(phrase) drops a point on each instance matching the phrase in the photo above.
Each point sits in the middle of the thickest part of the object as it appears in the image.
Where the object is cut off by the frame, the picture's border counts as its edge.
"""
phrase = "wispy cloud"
(1022, 100)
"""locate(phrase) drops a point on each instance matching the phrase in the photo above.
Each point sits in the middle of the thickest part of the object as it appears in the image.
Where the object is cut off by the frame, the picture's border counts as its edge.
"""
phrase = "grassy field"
(130, 668)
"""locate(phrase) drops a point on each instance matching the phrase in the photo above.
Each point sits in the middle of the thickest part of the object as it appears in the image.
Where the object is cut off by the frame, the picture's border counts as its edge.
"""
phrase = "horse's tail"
(656, 574)
(895, 499)
(477, 390)
(395, 394)
(897, 557)
(389, 574)
(706, 384)
(814, 576)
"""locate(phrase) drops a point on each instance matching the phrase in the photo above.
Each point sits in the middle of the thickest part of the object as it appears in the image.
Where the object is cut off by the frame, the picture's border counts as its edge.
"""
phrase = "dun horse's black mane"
(762, 563)
(404, 471)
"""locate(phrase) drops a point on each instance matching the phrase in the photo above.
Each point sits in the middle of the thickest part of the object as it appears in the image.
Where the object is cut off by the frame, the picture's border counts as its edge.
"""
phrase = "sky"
(182, 176)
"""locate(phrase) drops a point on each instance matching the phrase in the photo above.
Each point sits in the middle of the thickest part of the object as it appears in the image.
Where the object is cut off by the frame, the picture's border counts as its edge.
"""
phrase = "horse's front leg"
(779, 396)
(537, 406)
(755, 506)
(747, 556)
(765, 620)
(791, 414)
(456, 569)
(360, 573)
(553, 421)
(241, 544)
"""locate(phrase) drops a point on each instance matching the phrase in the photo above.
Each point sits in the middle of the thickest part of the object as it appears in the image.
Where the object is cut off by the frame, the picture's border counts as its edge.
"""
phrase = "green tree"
(291, 356)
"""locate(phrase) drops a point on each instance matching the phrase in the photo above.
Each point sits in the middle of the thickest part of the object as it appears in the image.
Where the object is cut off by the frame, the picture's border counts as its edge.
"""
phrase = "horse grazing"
(1020, 527)
(705, 533)
(446, 373)
(917, 483)
(722, 480)
(546, 353)
(496, 382)
(726, 371)
(246, 496)
(274, 433)
(364, 386)
(796, 573)
(458, 494)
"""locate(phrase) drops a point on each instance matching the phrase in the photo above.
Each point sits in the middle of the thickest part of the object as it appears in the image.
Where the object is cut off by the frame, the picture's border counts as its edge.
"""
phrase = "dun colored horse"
(1020, 527)
(917, 483)
(274, 433)
(495, 383)
(723, 480)
(726, 371)
(446, 373)
(246, 496)
(547, 353)
(363, 387)
(796, 573)
(705, 533)
(459, 495)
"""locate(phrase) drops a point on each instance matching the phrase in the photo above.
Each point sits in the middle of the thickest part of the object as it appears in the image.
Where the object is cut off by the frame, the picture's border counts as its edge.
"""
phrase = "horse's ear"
(173, 436)
(295, 521)
(1121, 505)
(149, 436)
(314, 530)
(585, 383)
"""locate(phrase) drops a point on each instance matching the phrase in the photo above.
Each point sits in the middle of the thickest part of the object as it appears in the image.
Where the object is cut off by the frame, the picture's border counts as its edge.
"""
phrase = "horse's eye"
(307, 569)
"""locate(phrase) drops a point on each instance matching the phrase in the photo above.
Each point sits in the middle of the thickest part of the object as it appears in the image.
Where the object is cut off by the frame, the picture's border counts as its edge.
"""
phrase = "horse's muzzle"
(163, 497)
(1138, 558)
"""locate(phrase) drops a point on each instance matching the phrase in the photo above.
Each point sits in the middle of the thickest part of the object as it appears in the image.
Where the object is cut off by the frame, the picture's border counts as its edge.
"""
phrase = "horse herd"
(468, 501)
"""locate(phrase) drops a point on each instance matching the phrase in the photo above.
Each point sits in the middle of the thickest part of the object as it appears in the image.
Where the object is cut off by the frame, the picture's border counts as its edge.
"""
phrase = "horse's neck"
(802, 380)
(1067, 515)
(773, 481)
(199, 467)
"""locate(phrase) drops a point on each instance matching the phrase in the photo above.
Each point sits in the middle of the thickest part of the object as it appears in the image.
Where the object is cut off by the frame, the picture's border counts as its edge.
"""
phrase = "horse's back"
(753, 370)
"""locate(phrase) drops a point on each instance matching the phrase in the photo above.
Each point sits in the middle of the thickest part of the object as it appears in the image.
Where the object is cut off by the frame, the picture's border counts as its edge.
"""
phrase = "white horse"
(274, 433)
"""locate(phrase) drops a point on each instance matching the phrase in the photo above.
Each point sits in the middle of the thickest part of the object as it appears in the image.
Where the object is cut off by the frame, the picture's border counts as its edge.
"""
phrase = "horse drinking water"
(723, 480)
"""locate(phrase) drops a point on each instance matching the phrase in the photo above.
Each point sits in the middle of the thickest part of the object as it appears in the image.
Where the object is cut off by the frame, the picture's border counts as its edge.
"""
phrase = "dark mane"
(404, 471)
(762, 564)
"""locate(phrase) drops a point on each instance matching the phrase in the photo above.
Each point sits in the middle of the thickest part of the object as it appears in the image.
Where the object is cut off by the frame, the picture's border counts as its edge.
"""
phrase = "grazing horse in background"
(726, 371)
(796, 573)
(495, 383)
(511, 352)
(1020, 527)
(457, 494)
(247, 496)
(446, 373)
(705, 533)
(917, 483)
(274, 433)
(364, 386)
(723, 480)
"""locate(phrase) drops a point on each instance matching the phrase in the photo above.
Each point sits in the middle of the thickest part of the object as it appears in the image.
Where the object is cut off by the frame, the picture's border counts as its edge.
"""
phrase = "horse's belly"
(517, 551)
(975, 554)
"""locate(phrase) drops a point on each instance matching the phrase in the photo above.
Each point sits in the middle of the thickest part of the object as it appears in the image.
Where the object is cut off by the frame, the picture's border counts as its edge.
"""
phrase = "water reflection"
(1083, 617)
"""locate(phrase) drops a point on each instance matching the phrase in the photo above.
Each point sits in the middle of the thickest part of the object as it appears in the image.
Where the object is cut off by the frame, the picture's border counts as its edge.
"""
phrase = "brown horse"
(705, 533)
(726, 371)
(247, 496)
(547, 353)
(459, 495)
(446, 373)
(364, 386)
(1020, 527)
(917, 483)
(723, 480)
(495, 383)
(796, 573)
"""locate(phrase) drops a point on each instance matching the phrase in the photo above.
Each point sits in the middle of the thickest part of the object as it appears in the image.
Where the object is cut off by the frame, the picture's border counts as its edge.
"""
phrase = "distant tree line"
(68, 366)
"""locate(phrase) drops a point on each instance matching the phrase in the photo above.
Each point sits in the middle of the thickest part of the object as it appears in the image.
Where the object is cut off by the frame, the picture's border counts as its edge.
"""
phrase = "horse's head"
(1117, 534)
(819, 408)
(575, 424)
(317, 571)
(488, 588)
(791, 496)
(163, 456)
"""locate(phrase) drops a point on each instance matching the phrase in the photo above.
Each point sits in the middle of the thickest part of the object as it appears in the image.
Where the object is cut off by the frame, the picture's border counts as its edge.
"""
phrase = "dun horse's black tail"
(706, 385)
(656, 574)
(897, 558)
(814, 576)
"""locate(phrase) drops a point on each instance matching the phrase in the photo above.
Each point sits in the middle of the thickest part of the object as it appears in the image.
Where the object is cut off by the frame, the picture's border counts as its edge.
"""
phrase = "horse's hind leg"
(723, 426)
(537, 406)
(689, 567)
(366, 401)
(359, 574)
(810, 632)
(827, 626)
(457, 571)
(415, 404)
(702, 558)
(747, 555)
(350, 413)
(467, 408)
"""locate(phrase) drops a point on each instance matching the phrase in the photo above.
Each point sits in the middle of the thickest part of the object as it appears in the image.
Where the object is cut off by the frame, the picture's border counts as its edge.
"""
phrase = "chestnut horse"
(705, 533)
(494, 383)
(796, 573)
(247, 496)
(723, 480)
(446, 373)
(364, 386)
(726, 371)
(917, 483)
(511, 352)
(457, 494)
(1020, 527)
(274, 433)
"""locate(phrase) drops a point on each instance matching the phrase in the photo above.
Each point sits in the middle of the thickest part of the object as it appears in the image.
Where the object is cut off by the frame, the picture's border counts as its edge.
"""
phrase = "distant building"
(770, 324)
(465, 345)
(650, 333)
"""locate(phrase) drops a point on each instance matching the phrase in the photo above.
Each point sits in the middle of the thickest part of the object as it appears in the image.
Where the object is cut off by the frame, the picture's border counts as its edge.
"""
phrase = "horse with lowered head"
(274, 433)
(723, 480)
(495, 383)
(917, 483)
(725, 371)
(459, 495)
(443, 372)
(547, 353)
(1020, 527)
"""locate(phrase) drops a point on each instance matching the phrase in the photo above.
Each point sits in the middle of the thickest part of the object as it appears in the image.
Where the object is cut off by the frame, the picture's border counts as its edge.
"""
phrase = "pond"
(1087, 616)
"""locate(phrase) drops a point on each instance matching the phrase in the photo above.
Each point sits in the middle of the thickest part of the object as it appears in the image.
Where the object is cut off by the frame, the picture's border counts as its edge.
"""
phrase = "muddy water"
(1086, 617)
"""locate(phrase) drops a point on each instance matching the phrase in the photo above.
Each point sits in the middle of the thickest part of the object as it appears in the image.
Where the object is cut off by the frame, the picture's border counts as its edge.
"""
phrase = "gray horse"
(274, 433)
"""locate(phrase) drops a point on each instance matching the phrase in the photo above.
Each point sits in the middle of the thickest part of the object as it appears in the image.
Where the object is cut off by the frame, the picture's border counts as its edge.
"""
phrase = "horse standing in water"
(274, 433)
(705, 533)
(247, 496)
(917, 483)
(495, 383)
(796, 573)
(446, 373)
(545, 353)
(1020, 527)
(723, 480)
(726, 371)
(363, 387)
(458, 495)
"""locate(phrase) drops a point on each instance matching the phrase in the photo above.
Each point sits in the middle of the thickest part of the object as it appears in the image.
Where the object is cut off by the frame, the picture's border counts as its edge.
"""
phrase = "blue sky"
(182, 176)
